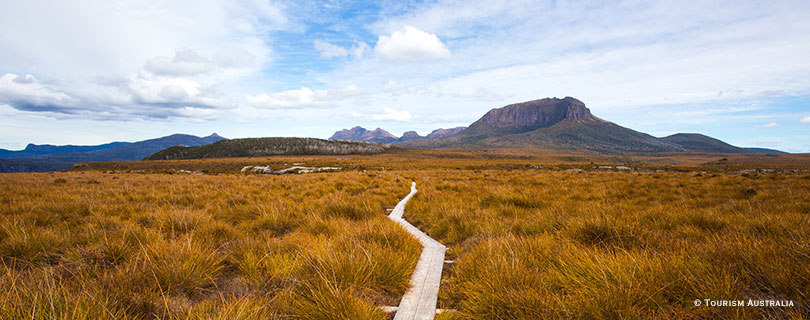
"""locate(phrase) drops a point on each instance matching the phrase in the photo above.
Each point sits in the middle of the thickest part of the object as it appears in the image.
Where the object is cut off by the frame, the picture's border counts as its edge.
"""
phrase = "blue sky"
(89, 72)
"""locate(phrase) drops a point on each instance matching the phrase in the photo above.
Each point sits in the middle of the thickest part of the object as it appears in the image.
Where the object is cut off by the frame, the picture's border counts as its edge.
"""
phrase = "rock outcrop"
(535, 114)
(361, 134)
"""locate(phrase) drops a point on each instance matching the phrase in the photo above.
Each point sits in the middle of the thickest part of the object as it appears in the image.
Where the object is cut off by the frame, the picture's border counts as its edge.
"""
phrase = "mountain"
(33, 150)
(550, 123)
(763, 150)
(125, 152)
(438, 133)
(701, 143)
(410, 135)
(379, 135)
(361, 134)
(256, 147)
(134, 151)
(32, 165)
(565, 125)
(529, 116)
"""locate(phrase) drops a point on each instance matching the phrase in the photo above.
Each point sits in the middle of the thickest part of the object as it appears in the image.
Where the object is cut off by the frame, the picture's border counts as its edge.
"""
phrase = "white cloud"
(26, 93)
(359, 49)
(301, 98)
(188, 62)
(329, 50)
(125, 59)
(185, 62)
(87, 38)
(142, 96)
(771, 125)
(475, 93)
(411, 44)
(805, 120)
(174, 92)
(390, 114)
(395, 88)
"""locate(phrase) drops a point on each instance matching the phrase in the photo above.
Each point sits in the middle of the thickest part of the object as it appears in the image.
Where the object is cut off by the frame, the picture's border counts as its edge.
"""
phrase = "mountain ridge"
(566, 124)
(125, 152)
(701, 143)
(358, 133)
(33, 150)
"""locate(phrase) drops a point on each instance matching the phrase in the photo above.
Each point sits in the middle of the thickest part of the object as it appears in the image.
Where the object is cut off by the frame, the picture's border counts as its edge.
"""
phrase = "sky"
(92, 71)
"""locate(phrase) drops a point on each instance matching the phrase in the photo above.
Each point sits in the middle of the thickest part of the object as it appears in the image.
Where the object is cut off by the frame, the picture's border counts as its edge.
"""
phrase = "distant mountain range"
(39, 158)
(33, 150)
(381, 136)
(563, 125)
(551, 124)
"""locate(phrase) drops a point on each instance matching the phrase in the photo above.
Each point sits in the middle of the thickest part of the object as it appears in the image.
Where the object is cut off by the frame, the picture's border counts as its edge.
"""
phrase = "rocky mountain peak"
(379, 135)
(362, 134)
(536, 113)
(410, 134)
(444, 132)
(381, 132)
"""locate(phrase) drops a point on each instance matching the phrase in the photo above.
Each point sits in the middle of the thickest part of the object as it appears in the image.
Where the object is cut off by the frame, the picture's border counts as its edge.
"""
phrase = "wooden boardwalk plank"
(419, 302)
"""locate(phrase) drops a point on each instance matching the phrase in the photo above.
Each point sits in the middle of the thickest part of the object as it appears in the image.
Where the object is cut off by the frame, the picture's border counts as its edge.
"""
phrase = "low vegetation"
(555, 244)
(91, 245)
(258, 147)
(516, 159)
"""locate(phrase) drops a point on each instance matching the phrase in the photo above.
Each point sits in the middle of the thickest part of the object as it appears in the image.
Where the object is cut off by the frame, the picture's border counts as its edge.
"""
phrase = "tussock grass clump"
(241, 308)
(31, 246)
(342, 208)
(43, 294)
(183, 266)
(606, 235)
(361, 264)
(324, 300)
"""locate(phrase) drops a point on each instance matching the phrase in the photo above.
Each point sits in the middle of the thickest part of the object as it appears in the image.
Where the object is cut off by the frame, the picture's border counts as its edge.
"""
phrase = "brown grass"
(544, 244)
(90, 245)
(530, 239)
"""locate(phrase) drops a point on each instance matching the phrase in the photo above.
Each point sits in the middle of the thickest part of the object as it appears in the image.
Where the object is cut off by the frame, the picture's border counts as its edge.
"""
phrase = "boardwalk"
(419, 302)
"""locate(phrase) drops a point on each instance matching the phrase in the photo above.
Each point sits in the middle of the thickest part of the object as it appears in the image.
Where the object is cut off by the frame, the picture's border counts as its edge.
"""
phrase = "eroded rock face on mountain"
(361, 134)
(410, 135)
(536, 114)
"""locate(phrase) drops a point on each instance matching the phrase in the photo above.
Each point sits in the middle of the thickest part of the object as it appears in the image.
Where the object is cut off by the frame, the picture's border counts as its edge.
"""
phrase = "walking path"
(419, 302)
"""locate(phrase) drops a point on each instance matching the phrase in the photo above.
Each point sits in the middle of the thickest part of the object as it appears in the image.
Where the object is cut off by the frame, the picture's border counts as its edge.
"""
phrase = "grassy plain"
(532, 238)
(623, 245)
(90, 245)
